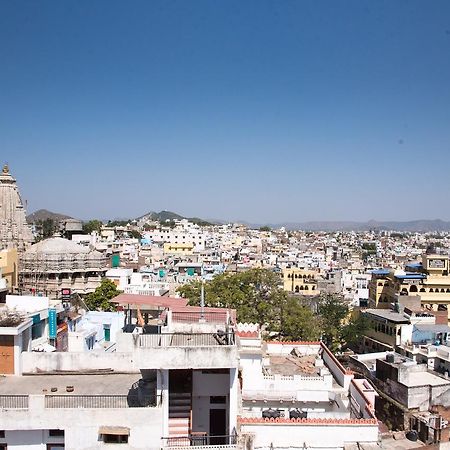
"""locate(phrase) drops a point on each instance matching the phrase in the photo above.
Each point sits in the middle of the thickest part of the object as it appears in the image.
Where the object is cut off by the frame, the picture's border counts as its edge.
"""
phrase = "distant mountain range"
(43, 214)
(163, 216)
(412, 225)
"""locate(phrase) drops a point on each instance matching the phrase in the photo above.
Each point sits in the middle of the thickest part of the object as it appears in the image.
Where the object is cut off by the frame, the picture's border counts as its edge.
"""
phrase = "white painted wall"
(315, 436)
(146, 425)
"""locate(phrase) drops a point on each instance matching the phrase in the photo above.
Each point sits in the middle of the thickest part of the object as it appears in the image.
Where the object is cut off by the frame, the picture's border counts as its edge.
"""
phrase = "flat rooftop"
(293, 365)
(110, 384)
(416, 379)
(387, 314)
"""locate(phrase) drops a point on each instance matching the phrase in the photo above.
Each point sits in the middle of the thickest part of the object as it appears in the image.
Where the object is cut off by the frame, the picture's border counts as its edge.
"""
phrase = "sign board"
(436, 263)
(52, 329)
(66, 294)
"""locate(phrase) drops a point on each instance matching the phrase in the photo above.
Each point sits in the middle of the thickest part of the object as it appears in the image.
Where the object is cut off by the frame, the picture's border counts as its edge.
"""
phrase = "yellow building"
(179, 248)
(300, 281)
(429, 279)
(9, 268)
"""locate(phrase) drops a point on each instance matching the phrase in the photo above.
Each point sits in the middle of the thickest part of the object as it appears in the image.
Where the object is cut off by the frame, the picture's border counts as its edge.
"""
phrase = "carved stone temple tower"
(14, 230)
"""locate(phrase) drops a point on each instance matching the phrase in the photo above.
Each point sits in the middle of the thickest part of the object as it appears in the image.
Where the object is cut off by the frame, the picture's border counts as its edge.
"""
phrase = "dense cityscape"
(172, 332)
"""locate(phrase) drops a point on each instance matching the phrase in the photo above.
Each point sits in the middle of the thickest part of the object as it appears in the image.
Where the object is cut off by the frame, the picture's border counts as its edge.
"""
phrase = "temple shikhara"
(14, 230)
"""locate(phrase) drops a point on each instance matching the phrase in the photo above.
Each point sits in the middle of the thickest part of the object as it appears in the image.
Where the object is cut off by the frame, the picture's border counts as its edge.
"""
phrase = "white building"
(297, 395)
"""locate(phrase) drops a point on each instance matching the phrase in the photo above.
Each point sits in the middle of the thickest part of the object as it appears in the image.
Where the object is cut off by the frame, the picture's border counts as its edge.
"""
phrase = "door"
(217, 426)
(6, 354)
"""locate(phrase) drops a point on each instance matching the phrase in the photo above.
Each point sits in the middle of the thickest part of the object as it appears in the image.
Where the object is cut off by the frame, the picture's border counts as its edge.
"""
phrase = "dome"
(57, 245)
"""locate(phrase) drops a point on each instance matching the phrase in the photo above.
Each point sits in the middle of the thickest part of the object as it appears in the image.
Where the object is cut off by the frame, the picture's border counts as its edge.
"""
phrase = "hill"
(164, 216)
(43, 214)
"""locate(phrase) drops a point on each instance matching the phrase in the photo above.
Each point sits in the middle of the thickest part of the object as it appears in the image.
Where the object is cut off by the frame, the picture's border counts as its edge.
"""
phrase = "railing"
(186, 340)
(199, 440)
(217, 317)
(99, 401)
(13, 401)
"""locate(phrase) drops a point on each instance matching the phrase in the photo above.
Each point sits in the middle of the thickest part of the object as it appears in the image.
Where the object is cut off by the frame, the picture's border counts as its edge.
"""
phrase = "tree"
(48, 228)
(265, 228)
(354, 330)
(255, 294)
(299, 322)
(92, 225)
(333, 311)
(100, 299)
(134, 234)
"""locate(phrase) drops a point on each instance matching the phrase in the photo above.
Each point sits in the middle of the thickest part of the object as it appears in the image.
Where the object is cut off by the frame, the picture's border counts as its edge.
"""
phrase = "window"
(56, 432)
(2, 434)
(217, 399)
(115, 438)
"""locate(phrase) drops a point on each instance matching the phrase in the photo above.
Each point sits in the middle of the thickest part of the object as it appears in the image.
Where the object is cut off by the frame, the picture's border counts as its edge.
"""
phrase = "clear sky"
(265, 111)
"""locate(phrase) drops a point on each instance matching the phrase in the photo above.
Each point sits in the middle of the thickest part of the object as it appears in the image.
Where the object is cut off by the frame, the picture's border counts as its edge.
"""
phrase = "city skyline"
(262, 112)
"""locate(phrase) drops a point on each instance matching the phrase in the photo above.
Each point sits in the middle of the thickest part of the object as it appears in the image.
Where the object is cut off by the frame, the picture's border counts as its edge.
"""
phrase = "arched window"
(301, 288)
(297, 289)
(413, 288)
(422, 289)
(431, 290)
(306, 288)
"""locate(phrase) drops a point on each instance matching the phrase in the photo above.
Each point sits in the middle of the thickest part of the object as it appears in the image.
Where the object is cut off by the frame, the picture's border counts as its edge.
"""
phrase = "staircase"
(179, 414)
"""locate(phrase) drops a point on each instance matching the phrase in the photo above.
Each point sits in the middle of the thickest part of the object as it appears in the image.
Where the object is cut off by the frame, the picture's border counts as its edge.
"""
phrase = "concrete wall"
(34, 362)
(146, 424)
(315, 436)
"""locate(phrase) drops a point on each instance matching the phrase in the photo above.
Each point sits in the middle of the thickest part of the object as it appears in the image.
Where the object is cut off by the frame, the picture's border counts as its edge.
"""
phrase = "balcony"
(13, 401)
(200, 441)
(186, 340)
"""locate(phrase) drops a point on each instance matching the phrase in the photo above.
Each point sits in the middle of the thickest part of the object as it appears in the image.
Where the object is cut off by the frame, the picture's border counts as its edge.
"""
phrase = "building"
(300, 281)
(177, 387)
(57, 263)
(428, 279)
(9, 266)
(297, 395)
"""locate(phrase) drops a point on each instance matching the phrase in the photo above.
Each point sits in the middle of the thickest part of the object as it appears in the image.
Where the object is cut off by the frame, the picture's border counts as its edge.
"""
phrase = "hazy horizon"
(257, 111)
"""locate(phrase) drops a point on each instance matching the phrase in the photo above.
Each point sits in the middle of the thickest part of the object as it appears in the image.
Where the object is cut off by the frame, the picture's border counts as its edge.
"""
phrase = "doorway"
(217, 426)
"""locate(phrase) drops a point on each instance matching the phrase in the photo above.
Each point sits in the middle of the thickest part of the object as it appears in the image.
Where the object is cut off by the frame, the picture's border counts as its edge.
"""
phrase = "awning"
(114, 430)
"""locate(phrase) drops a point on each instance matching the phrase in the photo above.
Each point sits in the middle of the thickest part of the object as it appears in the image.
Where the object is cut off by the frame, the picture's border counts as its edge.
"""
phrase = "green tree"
(333, 311)
(255, 294)
(48, 228)
(354, 330)
(134, 234)
(100, 299)
(299, 322)
(92, 225)
(265, 228)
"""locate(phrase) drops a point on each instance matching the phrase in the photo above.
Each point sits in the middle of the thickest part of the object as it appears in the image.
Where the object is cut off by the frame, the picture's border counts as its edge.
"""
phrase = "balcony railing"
(199, 440)
(13, 401)
(216, 317)
(186, 340)
(99, 401)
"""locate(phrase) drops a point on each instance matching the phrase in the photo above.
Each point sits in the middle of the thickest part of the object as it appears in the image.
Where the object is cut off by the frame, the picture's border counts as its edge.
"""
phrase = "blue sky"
(254, 110)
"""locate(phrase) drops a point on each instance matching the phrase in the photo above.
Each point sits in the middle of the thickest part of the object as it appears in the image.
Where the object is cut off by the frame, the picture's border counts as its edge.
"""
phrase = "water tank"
(390, 358)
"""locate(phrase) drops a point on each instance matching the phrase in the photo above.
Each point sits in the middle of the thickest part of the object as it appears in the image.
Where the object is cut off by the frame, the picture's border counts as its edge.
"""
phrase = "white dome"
(57, 245)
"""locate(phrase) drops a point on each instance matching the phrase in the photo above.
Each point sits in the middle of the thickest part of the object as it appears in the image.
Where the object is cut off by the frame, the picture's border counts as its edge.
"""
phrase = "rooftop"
(110, 384)
(387, 314)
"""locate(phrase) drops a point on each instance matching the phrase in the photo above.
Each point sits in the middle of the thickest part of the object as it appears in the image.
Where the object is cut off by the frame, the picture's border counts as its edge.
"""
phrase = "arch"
(422, 289)
(413, 288)
(301, 288)
(431, 290)
(380, 283)
(297, 289)
(442, 290)
(306, 288)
